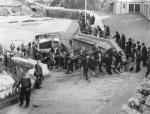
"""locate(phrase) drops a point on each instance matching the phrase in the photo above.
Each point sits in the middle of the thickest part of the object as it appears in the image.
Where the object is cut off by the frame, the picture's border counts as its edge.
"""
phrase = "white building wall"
(120, 9)
(124, 7)
(144, 7)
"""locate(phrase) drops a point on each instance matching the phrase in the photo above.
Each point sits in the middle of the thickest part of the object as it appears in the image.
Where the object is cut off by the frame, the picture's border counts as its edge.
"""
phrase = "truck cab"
(46, 41)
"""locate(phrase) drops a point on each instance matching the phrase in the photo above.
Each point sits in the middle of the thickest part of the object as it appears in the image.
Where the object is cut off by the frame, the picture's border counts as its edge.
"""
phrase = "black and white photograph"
(74, 56)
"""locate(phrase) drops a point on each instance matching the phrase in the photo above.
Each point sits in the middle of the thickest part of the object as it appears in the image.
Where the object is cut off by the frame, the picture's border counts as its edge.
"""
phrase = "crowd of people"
(87, 26)
(136, 52)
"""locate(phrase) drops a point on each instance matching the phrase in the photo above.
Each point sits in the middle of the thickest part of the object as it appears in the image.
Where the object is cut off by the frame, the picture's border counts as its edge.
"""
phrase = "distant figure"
(148, 63)
(5, 59)
(25, 83)
(138, 59)
(117, 36)
(105, 36)
(70, 42)
(93, 19)
(29, 48)
(84, 64)
(107, 31)
(144, 54)
(18, 49)
(33, 50)
(23, 50)
(123, 42)
(1, 50)
(12, 47)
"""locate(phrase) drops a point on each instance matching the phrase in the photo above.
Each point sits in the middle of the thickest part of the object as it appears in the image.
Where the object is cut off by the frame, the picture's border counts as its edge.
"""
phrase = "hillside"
(14, 7)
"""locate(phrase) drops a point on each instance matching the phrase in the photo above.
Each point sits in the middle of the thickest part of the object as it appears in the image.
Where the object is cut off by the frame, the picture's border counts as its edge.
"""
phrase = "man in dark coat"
(107, 31)
(123, 41)
(118, 59)
(66, 58)
(70, 63)
(34, 50)
(138, 59)
(70, 42)
(84, 64)
(128, 48)
(93, 19)
(144, 54)
(117, 36)
(5, 59)
(38, 73)
(29, 48)
(25, 83)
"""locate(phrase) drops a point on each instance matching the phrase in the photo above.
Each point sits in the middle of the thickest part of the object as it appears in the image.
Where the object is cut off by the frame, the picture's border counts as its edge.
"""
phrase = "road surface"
(69, 94)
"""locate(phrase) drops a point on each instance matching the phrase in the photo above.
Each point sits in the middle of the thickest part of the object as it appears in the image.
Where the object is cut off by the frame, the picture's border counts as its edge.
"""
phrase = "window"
(45, 45)
(124, 5)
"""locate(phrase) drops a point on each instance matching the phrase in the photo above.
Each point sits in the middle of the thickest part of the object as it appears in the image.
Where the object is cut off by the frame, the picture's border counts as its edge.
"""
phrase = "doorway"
(131, 8)
(134, 8)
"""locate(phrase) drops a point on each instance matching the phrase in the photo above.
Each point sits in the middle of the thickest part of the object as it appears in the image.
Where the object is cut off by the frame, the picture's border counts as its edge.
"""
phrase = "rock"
(147, 103)
(129, 110)
(6, 85)
(30, 63)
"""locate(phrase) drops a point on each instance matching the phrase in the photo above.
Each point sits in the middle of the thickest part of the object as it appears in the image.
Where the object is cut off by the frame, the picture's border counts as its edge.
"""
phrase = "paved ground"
(134, 26)
(69, 94)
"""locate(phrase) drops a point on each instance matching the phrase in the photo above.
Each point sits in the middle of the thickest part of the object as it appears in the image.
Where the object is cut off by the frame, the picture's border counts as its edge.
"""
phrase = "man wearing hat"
(144, 54)
(25, 83)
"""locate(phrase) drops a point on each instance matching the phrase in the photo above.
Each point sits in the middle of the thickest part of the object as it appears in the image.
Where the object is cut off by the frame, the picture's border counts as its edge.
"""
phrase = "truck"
(45, 41)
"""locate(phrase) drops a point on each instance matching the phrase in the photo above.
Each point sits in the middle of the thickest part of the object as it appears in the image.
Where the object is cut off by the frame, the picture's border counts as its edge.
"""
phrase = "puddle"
(30, 20)
(13, 22)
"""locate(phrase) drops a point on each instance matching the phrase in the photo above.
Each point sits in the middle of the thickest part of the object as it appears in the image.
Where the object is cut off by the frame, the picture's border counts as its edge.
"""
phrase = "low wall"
(7, 94)
(62, 13)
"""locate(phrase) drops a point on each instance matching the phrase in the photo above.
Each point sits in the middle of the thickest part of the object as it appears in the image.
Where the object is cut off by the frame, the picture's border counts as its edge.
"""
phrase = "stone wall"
(68, 14)
(6, 10)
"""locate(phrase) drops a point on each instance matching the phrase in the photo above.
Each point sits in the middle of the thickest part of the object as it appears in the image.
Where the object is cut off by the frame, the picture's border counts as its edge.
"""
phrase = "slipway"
(89, 41)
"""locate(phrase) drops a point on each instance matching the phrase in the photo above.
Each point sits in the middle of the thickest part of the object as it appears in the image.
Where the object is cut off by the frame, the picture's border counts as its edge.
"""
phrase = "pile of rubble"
(15, 10)
(140, 102)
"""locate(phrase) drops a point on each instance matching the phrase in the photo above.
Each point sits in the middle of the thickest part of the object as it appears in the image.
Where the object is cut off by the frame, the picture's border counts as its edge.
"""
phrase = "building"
(132, 6)
(146, 9)
(127, 6)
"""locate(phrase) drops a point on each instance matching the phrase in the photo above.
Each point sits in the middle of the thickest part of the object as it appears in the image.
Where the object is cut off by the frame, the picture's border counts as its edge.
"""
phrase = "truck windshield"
(45, 45)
